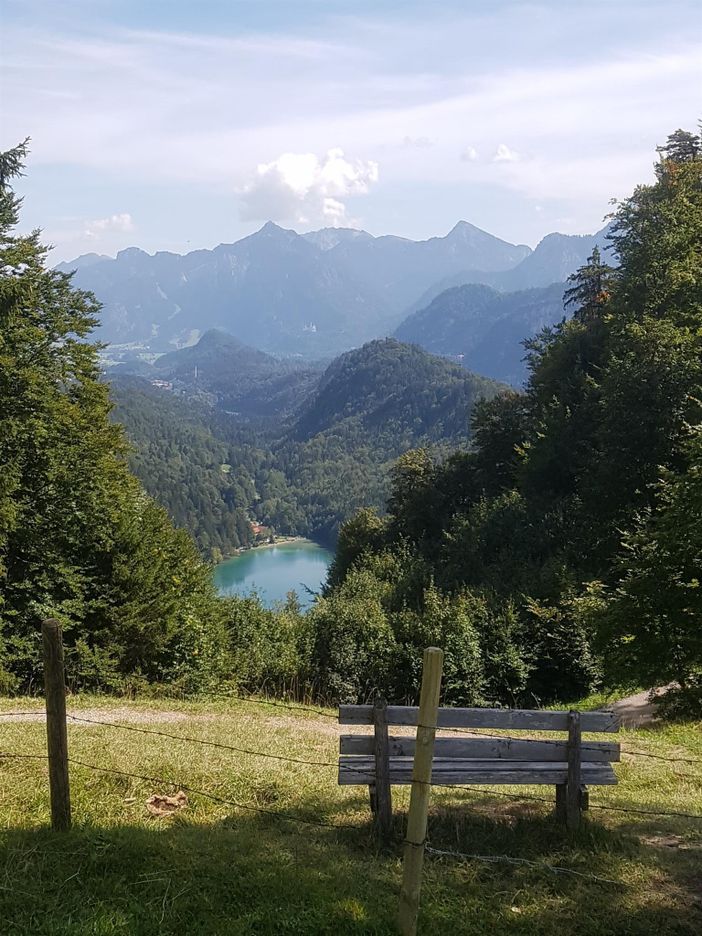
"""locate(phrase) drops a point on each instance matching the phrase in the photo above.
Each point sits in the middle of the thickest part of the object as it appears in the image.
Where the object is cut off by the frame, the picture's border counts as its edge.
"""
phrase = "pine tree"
(681, 146)
(591, 288)
(77, 533)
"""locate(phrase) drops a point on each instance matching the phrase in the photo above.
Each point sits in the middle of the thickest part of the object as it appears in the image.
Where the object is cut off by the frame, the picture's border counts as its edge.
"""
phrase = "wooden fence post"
(573, 792)
(421, 788)
(56, 735)
(381, 750)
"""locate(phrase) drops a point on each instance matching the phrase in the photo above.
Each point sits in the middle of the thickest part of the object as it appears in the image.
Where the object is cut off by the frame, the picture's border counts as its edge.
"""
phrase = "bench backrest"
(499, 719)
(483, 748)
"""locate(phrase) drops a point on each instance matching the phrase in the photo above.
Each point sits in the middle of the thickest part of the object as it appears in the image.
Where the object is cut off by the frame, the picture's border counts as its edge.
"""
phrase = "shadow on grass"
(254, 874)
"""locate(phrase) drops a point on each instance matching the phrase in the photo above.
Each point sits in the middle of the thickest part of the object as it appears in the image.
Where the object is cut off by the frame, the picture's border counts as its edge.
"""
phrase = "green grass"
(215, 869)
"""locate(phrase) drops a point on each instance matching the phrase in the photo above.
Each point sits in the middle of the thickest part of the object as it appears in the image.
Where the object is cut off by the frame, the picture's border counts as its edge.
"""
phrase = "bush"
(269, 649)
(446, 622)
(353, 643)
(557, 642)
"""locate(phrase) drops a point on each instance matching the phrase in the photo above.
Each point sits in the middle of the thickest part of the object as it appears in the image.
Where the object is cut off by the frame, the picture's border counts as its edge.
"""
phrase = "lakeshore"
(272, 570)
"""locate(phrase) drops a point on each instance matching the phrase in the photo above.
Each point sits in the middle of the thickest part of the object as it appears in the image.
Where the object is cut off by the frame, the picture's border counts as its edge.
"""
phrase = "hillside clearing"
(215, 869)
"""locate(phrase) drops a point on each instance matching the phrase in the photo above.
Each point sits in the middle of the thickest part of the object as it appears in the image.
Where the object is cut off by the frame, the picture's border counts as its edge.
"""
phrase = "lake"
(273, 571)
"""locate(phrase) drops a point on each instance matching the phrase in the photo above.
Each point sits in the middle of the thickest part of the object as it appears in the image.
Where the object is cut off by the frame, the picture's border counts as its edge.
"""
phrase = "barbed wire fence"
(268, 755)
(288, 817)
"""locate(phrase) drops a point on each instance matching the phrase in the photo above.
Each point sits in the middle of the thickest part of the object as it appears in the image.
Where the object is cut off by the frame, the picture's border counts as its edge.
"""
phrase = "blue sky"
(177, 125)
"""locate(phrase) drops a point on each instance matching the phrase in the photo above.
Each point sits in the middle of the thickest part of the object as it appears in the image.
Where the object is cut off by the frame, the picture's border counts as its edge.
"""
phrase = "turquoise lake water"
(273, 571)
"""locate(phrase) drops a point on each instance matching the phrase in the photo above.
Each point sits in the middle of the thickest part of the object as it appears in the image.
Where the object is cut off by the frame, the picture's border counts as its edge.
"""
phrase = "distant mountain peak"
(469, 233)
(462, 227)
(271, 229)
(329, 237)
(131, 253)
(218, 337)
(80, 263)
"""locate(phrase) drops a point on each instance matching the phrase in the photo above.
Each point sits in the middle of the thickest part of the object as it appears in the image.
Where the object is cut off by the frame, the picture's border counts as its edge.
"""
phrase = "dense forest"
(321, 451)
(560, 550)
(204, 472)
(566, 548)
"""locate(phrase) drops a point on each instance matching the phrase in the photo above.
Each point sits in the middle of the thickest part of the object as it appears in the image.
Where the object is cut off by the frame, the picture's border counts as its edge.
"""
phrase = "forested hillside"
(483, 328)
(239, 378)
(304, 474)
(204, 476)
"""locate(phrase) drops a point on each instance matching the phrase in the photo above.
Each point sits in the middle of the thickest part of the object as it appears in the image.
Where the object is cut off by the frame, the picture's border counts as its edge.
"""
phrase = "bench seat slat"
(361, 771)
(486, 748)
(514, 719)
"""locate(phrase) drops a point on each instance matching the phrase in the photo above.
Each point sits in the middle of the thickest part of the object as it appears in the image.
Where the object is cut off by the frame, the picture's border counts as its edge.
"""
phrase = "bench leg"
(584, 798)
(562, 799)
(373, 798)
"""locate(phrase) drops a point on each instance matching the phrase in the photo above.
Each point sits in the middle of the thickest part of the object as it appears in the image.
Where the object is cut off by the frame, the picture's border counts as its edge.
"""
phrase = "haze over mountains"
(483, 328)
(318, 294)
(298, 449)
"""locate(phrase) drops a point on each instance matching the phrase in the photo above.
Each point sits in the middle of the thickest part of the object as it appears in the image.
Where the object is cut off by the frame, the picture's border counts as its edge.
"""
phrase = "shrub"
(269, 649)
(353, 643)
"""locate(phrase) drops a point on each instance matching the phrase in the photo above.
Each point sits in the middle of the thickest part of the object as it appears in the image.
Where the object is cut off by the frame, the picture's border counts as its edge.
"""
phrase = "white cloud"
(196, 113)
(469, 154)
(120, 223)
(421, 142)
(305, 189)
(504, 154)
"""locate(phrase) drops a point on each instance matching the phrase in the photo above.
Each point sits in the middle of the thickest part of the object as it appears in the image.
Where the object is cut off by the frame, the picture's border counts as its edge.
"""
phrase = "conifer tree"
(591, 288)
(79, 539)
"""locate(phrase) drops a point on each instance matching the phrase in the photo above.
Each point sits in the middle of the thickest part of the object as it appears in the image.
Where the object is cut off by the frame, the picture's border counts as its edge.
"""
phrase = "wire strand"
(495, 859)
(189, 789)
(465, 788)
(471, 731)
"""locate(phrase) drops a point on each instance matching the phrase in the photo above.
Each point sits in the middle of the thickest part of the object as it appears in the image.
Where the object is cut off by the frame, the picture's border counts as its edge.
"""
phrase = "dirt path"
(634, 711)
(121, 713)
(637, 710)
(144, 716)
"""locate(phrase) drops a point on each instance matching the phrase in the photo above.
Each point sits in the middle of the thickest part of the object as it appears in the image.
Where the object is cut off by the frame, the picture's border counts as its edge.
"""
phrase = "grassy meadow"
(213, 868)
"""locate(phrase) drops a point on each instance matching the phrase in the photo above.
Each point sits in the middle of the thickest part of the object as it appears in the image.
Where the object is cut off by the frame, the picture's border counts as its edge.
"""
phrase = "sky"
(174, 125)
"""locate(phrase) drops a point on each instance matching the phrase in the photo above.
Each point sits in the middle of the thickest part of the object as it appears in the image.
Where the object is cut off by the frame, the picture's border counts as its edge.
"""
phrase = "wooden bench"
(380, 760)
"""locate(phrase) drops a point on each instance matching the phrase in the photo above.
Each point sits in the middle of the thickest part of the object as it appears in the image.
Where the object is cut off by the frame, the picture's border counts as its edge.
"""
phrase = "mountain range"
(313, 295)
(484, 329)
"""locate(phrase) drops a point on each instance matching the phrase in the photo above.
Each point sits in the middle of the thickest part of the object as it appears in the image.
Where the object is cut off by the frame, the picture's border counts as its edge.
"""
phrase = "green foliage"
(364, 531)
(652, 617)
(79, 540)
(270, 648)
(589, 476)
(451, 622)
(371, 631)
(557, 643)
(353, 641)
(590, 288)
